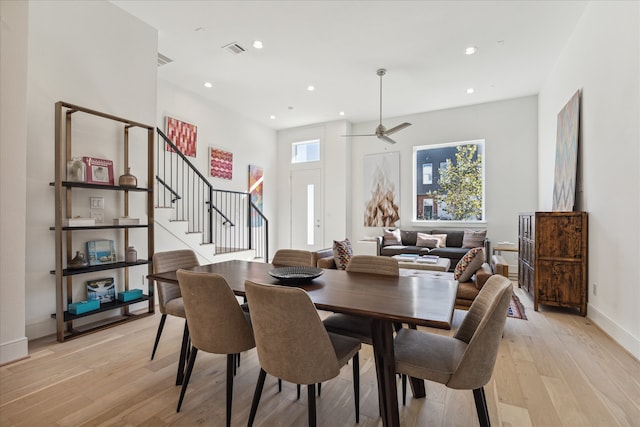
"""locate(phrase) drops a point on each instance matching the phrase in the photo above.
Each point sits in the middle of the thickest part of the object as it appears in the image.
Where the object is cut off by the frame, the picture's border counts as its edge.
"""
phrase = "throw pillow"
(427, 241)
(392, 237)
(473, 239)
(442, 240)
(469, 264)
(342, 253)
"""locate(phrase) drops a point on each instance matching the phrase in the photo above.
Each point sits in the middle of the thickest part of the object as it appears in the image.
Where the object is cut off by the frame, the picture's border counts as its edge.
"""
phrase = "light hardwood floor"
(554, 369)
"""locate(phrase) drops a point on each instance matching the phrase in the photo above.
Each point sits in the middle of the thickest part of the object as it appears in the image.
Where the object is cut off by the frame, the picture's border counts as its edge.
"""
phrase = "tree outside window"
(456, 190)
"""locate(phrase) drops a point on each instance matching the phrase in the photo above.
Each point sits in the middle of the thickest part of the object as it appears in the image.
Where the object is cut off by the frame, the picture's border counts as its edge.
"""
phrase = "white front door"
(306, 209)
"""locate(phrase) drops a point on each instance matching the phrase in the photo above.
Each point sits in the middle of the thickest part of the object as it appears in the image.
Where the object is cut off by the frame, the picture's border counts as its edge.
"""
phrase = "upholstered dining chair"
(293, 344)
(293, 258)
(356, 326)
(217, 324)
(170, 299)
(466, 360)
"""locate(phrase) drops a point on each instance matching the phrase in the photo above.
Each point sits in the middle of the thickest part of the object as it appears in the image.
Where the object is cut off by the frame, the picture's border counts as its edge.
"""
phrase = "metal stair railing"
(228, 219)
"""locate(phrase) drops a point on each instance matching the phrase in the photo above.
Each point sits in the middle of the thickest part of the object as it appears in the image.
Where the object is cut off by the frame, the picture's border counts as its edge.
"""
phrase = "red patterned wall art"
(220, 163)
(184, 135)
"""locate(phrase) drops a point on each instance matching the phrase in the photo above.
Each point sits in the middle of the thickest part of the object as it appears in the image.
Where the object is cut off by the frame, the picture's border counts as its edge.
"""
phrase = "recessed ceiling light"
(257, 44)
(208, 84)
(272, 117)
(311, 88)
(470, 50)
(470, 90)
(342, 113)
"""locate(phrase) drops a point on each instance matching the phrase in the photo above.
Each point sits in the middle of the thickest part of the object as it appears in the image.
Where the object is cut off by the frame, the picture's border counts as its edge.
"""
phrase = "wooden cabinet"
(68, 239)
(552, 258)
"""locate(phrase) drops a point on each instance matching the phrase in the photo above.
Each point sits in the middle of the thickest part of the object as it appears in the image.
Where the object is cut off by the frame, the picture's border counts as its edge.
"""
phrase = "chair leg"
(160, 328)
(319, 389)
(256, 397)
(185, 383)
(404, 390)
(231, 371)
(279, 385)
(184, 354)
(298, 391)
(311, 396)
(356, 385)
(481, 407)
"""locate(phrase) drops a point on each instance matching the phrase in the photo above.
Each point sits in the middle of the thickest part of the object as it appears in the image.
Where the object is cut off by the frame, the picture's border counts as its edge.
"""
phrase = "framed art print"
(184, 135)
(220, 163)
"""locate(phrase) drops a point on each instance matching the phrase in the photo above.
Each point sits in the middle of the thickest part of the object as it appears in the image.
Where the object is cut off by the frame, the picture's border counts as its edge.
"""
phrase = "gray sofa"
(453, 250)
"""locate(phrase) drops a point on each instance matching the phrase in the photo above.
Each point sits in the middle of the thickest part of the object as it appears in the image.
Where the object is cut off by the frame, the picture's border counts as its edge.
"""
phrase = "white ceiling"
(337, 46)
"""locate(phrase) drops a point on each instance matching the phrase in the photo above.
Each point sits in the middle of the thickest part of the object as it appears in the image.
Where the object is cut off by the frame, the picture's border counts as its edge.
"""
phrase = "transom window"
(305, 151)
(449, 181)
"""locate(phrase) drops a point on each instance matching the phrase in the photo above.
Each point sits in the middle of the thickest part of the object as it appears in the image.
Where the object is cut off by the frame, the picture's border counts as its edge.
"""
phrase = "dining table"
(387, 300)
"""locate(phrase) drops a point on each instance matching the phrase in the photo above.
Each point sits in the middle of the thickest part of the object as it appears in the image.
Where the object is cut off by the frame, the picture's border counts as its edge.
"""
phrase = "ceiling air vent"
(163, 60)
(234, 48)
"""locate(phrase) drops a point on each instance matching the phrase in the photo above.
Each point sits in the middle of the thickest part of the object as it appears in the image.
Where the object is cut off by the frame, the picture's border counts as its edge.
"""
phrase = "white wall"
(14, 26)
(95, 55)
(509, 129)
(250, 143)
(602, 60)
(335, 166)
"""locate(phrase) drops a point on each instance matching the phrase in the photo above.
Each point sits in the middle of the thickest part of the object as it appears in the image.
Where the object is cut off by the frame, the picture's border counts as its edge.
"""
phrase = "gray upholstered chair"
(293, 257)
(466, 360)
(293, 344)
(356, 326)
(170, 299)
(217, 324)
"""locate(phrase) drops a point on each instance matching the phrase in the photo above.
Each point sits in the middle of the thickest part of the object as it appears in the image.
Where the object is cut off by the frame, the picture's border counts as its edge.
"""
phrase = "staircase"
(217, 224)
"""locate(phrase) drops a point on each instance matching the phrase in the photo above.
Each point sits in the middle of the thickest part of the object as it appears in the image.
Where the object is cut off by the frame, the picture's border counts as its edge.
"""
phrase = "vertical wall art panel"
(564, 184)
(381, 189)
(183, 135)
(220, 163)
(255, 190)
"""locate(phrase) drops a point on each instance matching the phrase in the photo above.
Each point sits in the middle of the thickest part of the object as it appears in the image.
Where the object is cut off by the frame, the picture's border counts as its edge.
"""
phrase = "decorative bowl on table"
(298, 275)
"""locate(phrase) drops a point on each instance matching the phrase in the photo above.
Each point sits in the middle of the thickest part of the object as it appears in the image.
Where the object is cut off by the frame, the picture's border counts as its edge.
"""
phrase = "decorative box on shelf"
(84, 306)
(130, 295)
(125, 220)
(78, 222)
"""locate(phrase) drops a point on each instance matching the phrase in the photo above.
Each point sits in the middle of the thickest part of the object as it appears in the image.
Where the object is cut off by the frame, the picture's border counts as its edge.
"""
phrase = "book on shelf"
(125, 220)
(103, 290)
(99, 171)
(101, 252)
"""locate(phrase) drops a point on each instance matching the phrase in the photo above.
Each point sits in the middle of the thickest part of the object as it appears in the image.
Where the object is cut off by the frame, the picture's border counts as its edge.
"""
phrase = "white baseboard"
(620, 335)
(14, 350)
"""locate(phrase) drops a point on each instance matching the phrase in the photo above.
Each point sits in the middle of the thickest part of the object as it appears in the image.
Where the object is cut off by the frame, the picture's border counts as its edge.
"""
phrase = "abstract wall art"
(564, 183)
(256, 177)
(183, 135)
(381, 189)
(220, 163)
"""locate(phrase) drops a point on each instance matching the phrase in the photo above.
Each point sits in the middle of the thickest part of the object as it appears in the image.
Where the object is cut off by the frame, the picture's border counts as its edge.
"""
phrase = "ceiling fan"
(381, 132)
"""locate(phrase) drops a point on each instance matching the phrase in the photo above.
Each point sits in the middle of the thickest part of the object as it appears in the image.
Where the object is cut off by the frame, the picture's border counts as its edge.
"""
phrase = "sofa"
(467, 290)
(454, 248)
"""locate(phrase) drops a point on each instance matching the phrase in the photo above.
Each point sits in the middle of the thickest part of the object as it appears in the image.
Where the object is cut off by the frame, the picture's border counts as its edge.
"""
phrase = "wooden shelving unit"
(64, 277)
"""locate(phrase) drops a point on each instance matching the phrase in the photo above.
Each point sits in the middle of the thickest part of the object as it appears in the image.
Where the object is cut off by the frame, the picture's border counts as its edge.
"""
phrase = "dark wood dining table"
(385, 299)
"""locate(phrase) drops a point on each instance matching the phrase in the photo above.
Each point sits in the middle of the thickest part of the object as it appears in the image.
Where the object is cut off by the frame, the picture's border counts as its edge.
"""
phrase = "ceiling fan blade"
(397, 128)
(386, 139)
(363, 134)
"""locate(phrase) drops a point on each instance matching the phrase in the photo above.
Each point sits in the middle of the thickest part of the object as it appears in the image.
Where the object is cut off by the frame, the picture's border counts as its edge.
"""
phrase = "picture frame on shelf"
(98, 171)
(103, 290)
(101, 252)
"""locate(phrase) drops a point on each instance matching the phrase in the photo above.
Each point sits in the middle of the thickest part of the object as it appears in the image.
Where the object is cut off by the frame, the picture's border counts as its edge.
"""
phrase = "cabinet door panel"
(559, 282)
(559, 236)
